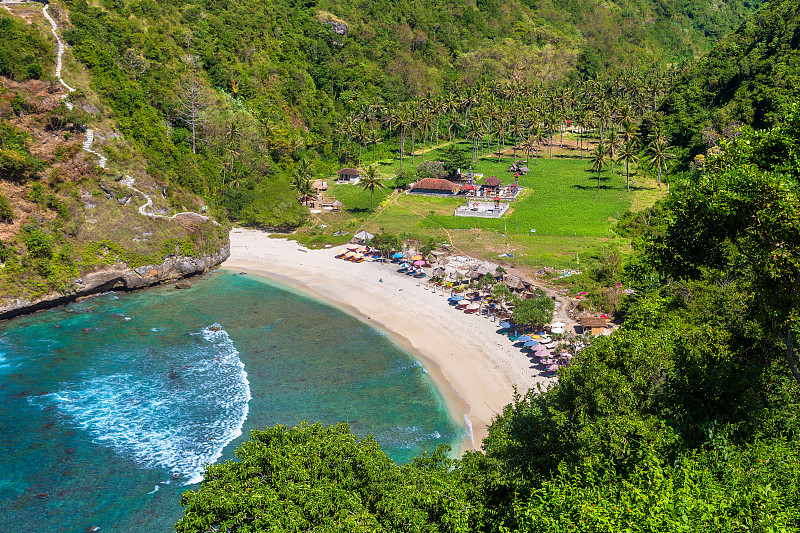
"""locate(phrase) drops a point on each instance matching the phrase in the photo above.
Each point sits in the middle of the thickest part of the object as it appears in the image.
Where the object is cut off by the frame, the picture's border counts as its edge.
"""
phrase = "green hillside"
(752, 76)
(226, 98)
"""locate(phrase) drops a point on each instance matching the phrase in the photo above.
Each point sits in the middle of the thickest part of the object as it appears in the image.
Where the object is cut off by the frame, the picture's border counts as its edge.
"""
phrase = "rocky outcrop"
(119, 277)
(339, 28)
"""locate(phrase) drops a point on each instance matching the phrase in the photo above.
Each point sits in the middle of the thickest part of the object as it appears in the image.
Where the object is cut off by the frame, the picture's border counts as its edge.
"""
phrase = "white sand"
(474, 367)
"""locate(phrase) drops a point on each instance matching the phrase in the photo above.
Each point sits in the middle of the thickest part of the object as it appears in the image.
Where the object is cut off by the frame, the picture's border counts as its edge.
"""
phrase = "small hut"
(348, 175)
(593, 324)
(337, 205)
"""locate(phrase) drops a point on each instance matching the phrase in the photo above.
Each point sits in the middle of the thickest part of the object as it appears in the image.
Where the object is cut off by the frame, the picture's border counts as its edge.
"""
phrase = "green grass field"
(560, 200)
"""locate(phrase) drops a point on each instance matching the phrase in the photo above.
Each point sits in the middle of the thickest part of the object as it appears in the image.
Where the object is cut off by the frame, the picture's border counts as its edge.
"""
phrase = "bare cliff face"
(118, 277)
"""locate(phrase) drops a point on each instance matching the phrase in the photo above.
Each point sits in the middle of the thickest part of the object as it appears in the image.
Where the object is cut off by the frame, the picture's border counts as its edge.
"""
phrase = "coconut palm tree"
(371, 181)
(660, 155)
(361, 136)
(630, 154)
(612, 144)
(599, 160)
(537, 138)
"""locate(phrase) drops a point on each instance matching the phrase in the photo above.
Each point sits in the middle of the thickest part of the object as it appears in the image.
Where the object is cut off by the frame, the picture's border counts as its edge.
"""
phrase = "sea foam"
(176, 414)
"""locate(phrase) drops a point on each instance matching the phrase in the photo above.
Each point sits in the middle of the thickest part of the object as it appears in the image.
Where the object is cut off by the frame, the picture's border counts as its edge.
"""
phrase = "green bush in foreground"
(315, 478)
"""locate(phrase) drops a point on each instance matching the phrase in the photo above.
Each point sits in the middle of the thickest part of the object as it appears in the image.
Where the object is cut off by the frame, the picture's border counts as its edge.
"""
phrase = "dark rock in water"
(183, 284)
(43, 495)
(213, 328)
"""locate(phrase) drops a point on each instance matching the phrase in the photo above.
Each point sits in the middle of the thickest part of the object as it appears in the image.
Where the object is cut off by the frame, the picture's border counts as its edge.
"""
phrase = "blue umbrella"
(398, 255)
(524, 338)
(506, 325)
(532, 343)
(456, 298)
(404, 265)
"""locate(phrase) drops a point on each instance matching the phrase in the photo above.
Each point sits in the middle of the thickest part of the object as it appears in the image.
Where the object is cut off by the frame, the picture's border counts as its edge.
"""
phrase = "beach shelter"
(506, 325)
(363, 236)
(552, 367)
(456, 298)
(524, 338)
(397, 255)
(530, 344)
(416, 257)
(419, 262)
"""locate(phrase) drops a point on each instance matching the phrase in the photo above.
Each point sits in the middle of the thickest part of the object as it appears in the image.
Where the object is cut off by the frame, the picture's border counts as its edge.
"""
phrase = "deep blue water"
(110, 407)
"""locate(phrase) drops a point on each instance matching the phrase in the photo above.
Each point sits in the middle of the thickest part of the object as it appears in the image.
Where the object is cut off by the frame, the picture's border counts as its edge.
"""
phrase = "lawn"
(560, 201)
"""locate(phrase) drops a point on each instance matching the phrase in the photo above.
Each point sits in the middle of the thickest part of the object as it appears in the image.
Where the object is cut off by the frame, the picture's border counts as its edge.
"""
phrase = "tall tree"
(193, 97)
(630, 154)
(371, 181)
(659, 156)
(599, 160)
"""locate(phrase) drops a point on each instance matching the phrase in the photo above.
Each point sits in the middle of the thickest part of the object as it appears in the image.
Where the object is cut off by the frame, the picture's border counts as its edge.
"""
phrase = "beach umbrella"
(553, 367)
(419, 262)
(558, 324)
(456, 298)
(404, 265)
(416, 257)
(352, 247)
(397, 255)
(506, 325)
(525, 338)
(557, 331)
(532, 343)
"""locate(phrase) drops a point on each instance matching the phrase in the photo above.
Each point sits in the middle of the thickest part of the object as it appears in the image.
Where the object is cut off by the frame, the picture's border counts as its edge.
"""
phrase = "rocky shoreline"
(119, 277)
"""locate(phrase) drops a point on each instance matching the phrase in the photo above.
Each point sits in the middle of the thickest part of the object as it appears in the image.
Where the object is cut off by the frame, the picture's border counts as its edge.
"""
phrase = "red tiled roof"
(435, 184)
(491, 181)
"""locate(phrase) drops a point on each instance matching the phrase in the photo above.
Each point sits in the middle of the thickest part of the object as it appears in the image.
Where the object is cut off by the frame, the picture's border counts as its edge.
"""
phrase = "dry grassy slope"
(99, 207)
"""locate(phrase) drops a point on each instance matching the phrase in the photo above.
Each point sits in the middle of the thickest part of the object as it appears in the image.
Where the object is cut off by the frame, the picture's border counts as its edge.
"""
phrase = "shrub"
(6, 211)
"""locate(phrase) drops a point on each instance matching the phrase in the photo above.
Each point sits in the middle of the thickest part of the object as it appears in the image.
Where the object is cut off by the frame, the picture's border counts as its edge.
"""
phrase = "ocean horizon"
(113, 405)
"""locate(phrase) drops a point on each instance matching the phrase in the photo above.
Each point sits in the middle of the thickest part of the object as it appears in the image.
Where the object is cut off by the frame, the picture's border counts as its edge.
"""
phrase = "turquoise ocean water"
(111, 406)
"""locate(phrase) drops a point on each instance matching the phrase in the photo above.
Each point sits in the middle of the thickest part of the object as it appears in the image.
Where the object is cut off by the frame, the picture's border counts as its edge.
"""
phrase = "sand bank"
(474, 367)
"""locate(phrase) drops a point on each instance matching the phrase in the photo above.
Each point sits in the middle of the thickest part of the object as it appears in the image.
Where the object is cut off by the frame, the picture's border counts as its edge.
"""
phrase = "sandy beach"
(474, 367)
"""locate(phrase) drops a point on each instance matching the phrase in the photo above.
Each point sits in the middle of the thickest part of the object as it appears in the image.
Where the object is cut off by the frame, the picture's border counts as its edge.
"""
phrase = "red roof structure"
(492, 181)
(435, 184)
(348, 172)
